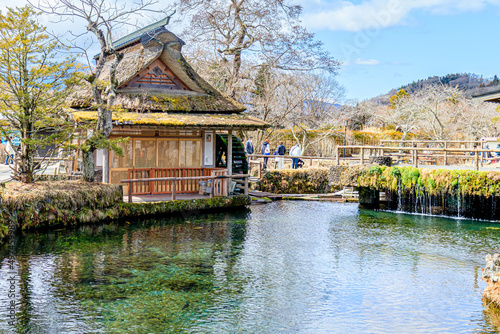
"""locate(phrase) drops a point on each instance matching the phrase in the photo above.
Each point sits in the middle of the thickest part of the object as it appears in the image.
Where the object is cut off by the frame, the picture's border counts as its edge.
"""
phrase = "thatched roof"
(170, 120)
(154, 54)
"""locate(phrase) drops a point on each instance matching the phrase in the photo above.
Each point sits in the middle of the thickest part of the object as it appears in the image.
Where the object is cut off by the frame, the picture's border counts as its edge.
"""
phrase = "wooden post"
(361, 154)
(310, 162)
(260, 169)
(229, 157)
(415, 158)
(445, 154)
(246, 185)
(337, 158)
(174, 189)
(151, 183)
(476, 159)
(212, 186)
(130, 192)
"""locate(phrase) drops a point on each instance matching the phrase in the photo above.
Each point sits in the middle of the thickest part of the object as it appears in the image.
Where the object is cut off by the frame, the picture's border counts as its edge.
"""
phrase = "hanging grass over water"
(433, 182)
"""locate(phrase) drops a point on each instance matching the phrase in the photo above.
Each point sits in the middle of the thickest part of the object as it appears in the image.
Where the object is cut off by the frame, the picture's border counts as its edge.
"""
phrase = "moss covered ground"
(295, 181)
(433, 182)
(66, 203)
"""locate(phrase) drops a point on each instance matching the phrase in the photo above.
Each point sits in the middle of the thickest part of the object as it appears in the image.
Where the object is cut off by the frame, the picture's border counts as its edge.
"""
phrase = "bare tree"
(267, 31)
(440, 112)
(102, 19)
(402, 114)
(302, 102)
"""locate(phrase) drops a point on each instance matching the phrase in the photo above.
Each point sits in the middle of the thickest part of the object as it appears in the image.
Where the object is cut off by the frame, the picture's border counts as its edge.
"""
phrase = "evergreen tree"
(34, 84)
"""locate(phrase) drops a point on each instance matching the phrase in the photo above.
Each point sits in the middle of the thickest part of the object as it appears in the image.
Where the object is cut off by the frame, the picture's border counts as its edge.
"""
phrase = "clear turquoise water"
(286, 267)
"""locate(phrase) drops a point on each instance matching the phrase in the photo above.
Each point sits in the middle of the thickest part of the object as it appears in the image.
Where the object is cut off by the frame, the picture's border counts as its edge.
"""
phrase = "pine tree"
(34, 84)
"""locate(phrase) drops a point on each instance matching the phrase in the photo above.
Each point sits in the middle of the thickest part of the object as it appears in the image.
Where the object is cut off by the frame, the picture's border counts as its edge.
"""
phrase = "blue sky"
(385, 44)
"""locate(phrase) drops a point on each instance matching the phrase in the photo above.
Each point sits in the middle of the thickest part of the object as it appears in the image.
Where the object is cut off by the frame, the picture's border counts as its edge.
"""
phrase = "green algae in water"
(287, 267)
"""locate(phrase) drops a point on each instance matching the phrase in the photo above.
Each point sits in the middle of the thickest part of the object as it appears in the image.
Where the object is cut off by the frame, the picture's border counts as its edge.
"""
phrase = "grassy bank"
(433, 182)
(66, 203)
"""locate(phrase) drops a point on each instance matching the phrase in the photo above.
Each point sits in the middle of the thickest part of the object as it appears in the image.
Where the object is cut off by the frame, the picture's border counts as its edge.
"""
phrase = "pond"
(285, 267)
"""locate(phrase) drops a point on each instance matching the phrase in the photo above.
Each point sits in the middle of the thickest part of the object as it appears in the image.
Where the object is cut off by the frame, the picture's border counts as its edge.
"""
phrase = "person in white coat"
(295, 151)
(10, 152)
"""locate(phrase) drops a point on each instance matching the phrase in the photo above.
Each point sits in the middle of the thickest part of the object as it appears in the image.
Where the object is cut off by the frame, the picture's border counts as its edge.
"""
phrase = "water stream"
(286, 267)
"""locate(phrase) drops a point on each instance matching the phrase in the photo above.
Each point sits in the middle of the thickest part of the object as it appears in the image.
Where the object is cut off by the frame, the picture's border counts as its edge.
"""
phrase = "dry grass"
(63, 194)
(491, 303)
(492, 293)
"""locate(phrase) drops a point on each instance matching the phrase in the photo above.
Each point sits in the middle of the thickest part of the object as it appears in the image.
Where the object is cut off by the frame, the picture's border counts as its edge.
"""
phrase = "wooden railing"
(218, 188)
(289, 157)
(414, 155)
(153, 186)
(442, 143)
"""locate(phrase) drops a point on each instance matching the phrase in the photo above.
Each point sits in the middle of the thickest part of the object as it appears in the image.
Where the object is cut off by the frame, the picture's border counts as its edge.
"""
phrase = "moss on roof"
(134, 100)
(200, 97)
(177, 120)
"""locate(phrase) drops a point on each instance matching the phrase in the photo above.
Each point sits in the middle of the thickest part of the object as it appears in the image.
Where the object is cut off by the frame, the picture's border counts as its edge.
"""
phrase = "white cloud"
(378, 14)
(366, 62)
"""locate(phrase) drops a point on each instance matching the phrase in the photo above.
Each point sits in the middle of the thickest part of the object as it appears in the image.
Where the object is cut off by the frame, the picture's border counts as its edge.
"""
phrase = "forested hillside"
(470, 83)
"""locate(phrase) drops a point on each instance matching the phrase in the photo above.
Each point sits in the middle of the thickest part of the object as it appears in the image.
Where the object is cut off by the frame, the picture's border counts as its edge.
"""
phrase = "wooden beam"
(246, 186)
(174, 189)
(229, 157)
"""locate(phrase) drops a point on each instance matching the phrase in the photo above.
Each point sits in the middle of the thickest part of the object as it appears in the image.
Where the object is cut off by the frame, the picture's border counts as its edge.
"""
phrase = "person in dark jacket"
(249, 146)
(281, 150)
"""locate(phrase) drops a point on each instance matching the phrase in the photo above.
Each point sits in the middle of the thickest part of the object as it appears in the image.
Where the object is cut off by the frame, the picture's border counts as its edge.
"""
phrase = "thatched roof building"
(171, 114)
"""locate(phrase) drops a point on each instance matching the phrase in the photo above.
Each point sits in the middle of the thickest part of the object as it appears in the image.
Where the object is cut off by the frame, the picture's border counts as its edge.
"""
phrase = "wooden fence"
(412, 155)
(415, 155)
(184, 185)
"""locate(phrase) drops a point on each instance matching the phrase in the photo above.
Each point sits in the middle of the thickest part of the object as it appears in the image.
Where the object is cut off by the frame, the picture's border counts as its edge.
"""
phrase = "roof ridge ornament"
(136, 35)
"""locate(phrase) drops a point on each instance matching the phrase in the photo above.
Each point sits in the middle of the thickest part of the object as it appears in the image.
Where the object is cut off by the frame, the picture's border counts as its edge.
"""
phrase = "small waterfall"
(430, 205)
(416, 200)
(457, 200)
(400, 196)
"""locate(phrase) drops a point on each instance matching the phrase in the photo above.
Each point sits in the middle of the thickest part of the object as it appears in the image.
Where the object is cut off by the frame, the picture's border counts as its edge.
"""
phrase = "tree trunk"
(105, 167)
(88, 165)
(26, 166)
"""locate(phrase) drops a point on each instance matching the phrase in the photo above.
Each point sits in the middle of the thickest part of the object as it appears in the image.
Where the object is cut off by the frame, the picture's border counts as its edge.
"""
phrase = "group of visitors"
(281, 150)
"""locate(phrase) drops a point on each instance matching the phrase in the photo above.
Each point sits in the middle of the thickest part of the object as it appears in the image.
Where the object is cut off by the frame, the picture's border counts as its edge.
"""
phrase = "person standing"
(10, 151)
(281, 150)
(249, 146)
(295, 151)
(266, 150)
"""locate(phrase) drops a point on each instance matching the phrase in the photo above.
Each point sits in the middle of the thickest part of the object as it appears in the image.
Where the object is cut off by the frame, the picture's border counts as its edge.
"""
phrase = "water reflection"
(293, 267)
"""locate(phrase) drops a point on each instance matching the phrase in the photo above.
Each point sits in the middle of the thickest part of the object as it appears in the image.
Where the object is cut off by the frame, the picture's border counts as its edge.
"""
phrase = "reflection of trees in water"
(25, 305)
(89, 261)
